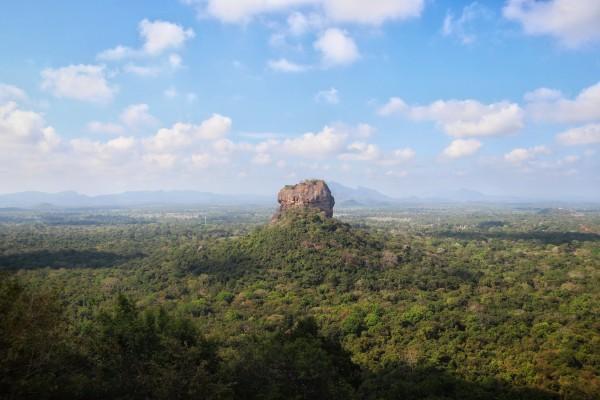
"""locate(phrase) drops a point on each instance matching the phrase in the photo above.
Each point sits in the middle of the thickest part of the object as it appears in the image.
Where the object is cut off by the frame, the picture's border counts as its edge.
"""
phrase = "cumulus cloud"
(394, 105)
(183, 134)
(587, 134)
(329, 96)
(284, 65)
(336, 47)
(207, 160)
(158, 37)
(116, 53)
(460, 27)
(20, 128)
(79, 82)
(461, 148)
(403, 155)
(105, 127)
(573, 23)
(11, 93)
(262, 159)
(137, 116)
(542, 94)
(161, 160)
(364, 131)
(373, 12)
(462, 118)
(299, 23)
(144, 71)
(134, 117)
(103, 150)
(162, 35)
(361, 151)
(520, 155)
(316, 145)
(550, 105)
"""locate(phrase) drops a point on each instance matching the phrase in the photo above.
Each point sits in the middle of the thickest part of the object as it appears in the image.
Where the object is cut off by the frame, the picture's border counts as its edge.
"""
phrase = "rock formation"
(310, 194)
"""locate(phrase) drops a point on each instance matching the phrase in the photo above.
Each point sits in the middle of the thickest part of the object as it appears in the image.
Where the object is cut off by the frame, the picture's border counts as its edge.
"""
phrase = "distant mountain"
(125, 199)
(345, 196)
(42, 199)
(360, 196)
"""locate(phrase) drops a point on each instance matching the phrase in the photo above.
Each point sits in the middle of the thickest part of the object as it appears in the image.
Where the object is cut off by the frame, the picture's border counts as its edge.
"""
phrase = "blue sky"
(412, 97)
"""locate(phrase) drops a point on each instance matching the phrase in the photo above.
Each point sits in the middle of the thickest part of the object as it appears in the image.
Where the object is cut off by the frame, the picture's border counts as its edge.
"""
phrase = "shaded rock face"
(310, 194)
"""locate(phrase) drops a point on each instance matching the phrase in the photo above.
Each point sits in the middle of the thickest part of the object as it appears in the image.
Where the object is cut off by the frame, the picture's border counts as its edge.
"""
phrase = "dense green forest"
(413, 303)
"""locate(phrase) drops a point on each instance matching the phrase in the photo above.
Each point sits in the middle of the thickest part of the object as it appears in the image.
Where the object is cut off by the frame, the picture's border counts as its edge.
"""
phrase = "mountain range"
(345, 196)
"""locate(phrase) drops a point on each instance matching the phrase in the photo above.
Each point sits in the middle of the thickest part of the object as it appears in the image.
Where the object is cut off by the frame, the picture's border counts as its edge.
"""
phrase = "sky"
(410, 97)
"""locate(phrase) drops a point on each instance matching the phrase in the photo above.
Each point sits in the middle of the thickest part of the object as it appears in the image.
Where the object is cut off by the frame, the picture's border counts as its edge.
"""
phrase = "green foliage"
(407, 304)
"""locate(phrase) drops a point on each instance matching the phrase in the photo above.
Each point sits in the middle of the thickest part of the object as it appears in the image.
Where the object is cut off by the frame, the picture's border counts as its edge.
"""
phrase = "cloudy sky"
(411, 97)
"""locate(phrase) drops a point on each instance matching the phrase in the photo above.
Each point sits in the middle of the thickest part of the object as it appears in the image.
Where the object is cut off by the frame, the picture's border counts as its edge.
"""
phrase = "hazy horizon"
(407, 97)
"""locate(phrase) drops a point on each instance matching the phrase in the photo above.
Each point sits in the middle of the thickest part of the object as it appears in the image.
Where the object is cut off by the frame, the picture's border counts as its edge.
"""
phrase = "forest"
(448, 302)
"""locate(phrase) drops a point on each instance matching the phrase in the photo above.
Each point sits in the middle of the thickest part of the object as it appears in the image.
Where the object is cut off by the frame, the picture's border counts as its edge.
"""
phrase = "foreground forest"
(438, 303)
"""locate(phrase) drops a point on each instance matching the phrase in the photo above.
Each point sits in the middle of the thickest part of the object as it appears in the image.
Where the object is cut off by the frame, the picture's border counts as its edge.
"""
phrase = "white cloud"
(365, 131)
(299, 23)
(542, 94)
(262, 159)
(329, 96)
(161, 160)
(162, 35)
(214, 127)
(337, 48)
(117, 147)
(167, 139)
(394, 105)
(587, 134)
(116, 53)
(463, 118)
(157, 36)
(20, 128)
(105, 127)
(79, 82)
(137, 116)
(207, 160)
(461, 26)
(520, 155)
(462, 148)
(183, 134)
(373, 12)
(283, 65)
(238, 11)
(316, 145)
(121, 143)
(361, 151)
(404, 155)
(11, 93)
(142, 70)
(134, 117)
(549, 105)
(573, 23)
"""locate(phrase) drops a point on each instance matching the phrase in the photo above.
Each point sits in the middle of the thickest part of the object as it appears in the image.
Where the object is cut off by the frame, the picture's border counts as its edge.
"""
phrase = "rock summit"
(310, 194)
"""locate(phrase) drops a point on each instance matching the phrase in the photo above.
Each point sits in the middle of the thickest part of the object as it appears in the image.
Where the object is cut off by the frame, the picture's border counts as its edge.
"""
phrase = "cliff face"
(310, 194)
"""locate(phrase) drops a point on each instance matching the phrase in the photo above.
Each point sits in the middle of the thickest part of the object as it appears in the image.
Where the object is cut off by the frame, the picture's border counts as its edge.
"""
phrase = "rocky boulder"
(310, 194)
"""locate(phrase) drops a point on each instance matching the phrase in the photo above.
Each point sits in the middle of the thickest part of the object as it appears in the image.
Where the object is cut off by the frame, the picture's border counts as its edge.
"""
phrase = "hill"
(305, 307)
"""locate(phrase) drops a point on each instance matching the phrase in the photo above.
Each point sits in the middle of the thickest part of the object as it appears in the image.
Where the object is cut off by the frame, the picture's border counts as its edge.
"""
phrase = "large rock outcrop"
(310, 194)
